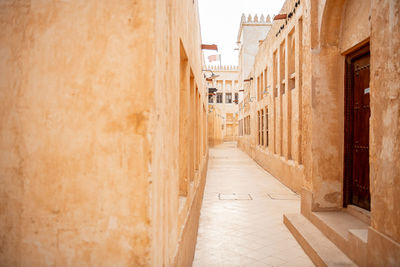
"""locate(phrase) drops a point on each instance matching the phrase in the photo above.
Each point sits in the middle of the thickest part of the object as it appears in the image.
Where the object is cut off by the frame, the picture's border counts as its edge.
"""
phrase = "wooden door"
(357, 113)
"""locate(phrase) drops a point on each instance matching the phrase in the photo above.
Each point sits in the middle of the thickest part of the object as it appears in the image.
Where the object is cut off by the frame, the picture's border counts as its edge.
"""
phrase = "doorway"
(357, 114)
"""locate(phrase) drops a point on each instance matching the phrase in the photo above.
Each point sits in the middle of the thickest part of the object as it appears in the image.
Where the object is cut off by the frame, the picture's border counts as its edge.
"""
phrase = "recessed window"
(228, 98)
(266, 127)
(219, 97)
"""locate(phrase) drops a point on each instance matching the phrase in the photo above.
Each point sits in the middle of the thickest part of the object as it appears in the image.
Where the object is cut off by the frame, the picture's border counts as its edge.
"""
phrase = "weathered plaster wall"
(75, 148)
(344, 26)
(215, 126)
(355, 23)
(283, 157)
(175, 214)
(339, 31)
(87, 156)
(331, 30)
(385, 133)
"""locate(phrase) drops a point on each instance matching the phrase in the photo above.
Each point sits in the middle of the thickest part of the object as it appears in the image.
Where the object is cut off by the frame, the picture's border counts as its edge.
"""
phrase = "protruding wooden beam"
(280, 16)
(209, 47)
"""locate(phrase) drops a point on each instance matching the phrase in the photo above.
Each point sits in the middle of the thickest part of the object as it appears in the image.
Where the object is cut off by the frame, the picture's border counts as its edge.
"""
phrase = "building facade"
(321, 113)
(103, 132)
(216, 126)
(223, 102)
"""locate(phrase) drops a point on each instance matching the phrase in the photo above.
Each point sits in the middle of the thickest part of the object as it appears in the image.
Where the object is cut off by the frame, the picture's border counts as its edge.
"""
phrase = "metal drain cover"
(234, 196)
(284, 196)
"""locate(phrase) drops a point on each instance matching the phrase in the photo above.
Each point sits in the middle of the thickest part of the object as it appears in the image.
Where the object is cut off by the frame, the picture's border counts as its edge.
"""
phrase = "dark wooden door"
(357, 128)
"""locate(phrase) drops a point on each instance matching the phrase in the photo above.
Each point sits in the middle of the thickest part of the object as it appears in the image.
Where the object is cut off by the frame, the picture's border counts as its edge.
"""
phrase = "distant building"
(225, 100)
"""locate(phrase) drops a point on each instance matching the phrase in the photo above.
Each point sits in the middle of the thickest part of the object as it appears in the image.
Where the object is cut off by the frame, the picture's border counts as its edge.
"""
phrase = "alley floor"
(241, 220)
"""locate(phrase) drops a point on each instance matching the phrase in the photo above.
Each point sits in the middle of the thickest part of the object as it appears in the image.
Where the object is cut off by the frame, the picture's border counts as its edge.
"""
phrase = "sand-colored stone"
(103, 126)
(280, 160)
(306, 124)
(321, 251)
(226, 82)
(89, 150)
(215, 126)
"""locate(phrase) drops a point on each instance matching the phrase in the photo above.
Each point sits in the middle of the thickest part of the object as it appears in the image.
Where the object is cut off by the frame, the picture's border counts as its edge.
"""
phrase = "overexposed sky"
(220, 21)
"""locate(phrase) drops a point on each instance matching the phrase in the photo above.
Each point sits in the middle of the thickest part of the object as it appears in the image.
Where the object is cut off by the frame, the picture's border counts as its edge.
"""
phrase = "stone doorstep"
(348, 233)
(316, 245)
(362, 214)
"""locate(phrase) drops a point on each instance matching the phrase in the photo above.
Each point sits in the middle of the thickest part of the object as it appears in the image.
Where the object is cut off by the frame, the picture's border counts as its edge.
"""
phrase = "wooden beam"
(280, 16)
(209, 47)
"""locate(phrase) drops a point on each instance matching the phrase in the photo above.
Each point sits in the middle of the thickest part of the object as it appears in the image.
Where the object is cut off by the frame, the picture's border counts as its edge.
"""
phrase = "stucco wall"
(88, 161)
(171, 209)
(75, 151)
(215, 126)
(331, 30)
(283, 157)
(385, 132)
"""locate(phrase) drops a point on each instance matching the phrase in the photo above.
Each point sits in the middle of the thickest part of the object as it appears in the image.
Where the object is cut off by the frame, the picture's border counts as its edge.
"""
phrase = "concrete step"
(336, 225)
(347, 232)
(317, 246)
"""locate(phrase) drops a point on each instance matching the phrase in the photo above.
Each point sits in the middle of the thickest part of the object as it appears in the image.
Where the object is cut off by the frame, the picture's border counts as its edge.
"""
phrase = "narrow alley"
(241, 217)
(179, 133)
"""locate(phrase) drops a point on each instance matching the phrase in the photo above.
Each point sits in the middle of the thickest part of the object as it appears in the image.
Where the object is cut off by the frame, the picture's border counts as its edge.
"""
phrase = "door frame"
(348, 121)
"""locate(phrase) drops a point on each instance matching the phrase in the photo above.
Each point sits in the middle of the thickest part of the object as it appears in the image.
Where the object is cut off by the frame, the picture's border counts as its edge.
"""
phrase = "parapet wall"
(222, 68)
(255, 19)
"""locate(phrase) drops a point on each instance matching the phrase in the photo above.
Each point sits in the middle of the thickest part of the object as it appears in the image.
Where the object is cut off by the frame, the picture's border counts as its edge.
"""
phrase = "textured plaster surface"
(385, 118)
(276, 158)
(88, 160)
(75, 151)
(331, 30)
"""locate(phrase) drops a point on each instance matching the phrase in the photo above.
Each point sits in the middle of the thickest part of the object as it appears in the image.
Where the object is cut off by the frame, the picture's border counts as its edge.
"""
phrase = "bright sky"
(220, 20)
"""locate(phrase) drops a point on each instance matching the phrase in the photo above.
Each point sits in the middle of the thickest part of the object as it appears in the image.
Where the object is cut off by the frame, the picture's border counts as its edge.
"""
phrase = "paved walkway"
(242, 230)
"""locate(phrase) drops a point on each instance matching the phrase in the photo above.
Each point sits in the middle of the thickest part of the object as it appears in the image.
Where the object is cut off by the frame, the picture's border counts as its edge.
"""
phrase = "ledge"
(319, 248)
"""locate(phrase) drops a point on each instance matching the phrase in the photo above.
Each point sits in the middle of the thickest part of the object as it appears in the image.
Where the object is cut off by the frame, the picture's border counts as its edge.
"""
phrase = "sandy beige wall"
(88, 94)
(188, 239)
(284, 156)
(177, 28)
(336, 27)
(215, 124)
(275, 165)
(385, 118)
(74, 140)
(331, 30)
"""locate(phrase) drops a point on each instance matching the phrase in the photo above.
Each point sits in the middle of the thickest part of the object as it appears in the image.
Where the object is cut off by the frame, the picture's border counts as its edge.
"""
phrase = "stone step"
(336, 225)
(319, 248)
(347, 232)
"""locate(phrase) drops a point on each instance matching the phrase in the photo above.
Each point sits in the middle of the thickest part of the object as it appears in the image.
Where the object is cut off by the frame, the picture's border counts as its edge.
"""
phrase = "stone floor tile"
(273, 261)
(245, 232)
(299, 261)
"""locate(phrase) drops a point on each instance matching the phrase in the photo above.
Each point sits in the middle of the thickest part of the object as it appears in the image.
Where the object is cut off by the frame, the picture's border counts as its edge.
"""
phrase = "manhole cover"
(284, 196)
(234, 196)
